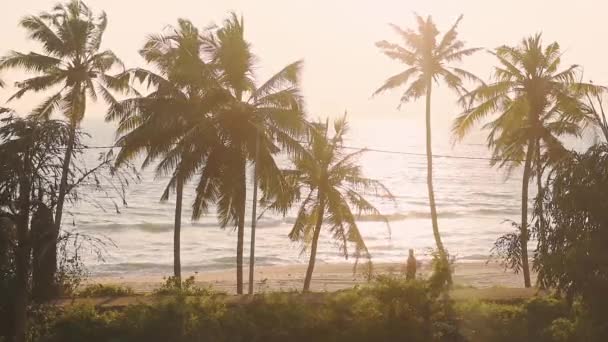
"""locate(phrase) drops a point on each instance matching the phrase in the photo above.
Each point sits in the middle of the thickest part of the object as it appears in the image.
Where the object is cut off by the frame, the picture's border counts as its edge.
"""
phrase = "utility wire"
(361, 148)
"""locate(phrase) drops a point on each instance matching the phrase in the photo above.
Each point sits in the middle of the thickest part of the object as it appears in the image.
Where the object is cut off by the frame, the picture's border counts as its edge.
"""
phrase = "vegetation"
(205, 119)
(173, 287)
(71, 37)
(177, 106)
(328, 183)
(572, 257)
(99, 290)
(256, 122)
(536, 103)
(427, 59)
(28, 152)
(391, 309)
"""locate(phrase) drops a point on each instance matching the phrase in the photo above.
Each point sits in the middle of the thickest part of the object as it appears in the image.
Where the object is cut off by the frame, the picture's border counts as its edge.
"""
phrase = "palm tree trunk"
(429, 174)
(524, 212)
(23, 253)
(241, 228)
(315, 241)
(177, 265)
(539, 205)
(253, 214)
(540, 195)
(63, 185)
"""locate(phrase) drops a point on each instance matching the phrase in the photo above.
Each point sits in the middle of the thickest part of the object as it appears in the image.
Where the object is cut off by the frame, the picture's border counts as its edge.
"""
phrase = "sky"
(336, 41)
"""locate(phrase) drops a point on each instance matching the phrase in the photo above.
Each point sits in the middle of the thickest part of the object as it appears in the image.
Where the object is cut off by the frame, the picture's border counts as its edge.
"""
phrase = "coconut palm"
(72, 65)
(329, 184)
(596, 112)
(535, 103)
(171, 124)
(256, 123)
(427, 59)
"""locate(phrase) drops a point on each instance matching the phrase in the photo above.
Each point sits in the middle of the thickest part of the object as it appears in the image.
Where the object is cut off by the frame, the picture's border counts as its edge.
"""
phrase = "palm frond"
(397, 80)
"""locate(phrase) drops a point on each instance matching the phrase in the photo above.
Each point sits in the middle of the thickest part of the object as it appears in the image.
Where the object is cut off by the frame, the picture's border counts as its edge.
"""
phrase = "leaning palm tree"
(329, 184)
(171, 124)
(256, 123)
(72, 62)
(427, 60)
(535, 104)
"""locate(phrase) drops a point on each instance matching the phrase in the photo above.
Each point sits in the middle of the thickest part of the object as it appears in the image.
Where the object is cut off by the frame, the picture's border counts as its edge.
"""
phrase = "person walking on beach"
(410, 267)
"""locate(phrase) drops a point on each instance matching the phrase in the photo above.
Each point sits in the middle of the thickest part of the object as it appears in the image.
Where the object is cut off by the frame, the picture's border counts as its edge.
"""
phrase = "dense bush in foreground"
(390, 310)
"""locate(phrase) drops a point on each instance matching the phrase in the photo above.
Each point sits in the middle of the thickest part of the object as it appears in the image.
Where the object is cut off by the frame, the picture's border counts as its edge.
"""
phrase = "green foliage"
(188, 287)
(492, 322)
(101, 290)
(328, 183)
(71, 60)
(427, 58)
(573, 255)
(390, 309)
(440, 280)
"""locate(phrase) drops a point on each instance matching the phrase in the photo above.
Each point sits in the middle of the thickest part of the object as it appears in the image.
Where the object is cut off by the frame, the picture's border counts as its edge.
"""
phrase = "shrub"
(102, 290)
(188, 287)
(390, 309)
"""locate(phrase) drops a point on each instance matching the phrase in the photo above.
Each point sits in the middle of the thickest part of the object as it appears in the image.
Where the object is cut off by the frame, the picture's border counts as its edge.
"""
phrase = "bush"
(390, 309)
(188, 287)
(101, 290)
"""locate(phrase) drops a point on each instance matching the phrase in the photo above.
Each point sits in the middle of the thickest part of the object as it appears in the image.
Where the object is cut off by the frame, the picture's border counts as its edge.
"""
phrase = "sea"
(476, 204)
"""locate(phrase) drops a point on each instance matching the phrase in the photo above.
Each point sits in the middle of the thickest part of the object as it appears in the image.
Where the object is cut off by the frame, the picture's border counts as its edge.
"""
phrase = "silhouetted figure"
(44, 252)
(410, 267)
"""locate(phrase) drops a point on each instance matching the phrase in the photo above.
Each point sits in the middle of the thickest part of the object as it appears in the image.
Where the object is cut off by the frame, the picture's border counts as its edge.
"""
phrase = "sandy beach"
(327, 277)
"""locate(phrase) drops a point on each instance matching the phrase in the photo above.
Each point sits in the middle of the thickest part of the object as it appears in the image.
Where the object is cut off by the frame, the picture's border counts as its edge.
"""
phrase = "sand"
(327, 277)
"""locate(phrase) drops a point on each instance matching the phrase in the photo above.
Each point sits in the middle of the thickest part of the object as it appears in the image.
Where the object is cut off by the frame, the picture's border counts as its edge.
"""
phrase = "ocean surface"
(474, 202)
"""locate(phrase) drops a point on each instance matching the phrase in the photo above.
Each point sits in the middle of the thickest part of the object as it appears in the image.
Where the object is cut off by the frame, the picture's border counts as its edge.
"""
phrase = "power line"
(363, 148)
(421, 154)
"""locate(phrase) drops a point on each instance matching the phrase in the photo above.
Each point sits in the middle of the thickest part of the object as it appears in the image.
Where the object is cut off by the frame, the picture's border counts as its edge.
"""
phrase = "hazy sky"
(336, 40)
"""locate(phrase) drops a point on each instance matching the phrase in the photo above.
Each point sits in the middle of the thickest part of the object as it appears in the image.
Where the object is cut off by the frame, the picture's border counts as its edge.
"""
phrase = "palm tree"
(255, 124)
(427, 60)
(171, 124)
(535, 103)
(71, 61)
(596, 112)
(328, 182)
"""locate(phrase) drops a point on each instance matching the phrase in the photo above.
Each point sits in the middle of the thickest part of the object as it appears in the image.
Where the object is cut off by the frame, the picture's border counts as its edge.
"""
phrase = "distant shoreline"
(327, 277)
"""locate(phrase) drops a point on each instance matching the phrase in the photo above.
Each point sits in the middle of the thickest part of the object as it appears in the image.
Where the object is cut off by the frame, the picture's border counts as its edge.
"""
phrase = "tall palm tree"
(71, 61)
(328, 182)
(535, 103)
(171, 124)
(427, 59)
(256, 123)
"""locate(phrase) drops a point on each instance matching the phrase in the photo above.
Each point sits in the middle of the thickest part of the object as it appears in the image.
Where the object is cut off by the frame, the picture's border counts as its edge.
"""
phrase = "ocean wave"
(474, 257)
(215, 264)
(493, 195)
(261, 260)
(162, 227)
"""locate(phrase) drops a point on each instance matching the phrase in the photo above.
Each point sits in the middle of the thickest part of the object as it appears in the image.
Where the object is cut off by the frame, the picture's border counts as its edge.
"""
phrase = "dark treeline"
(198, 115)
